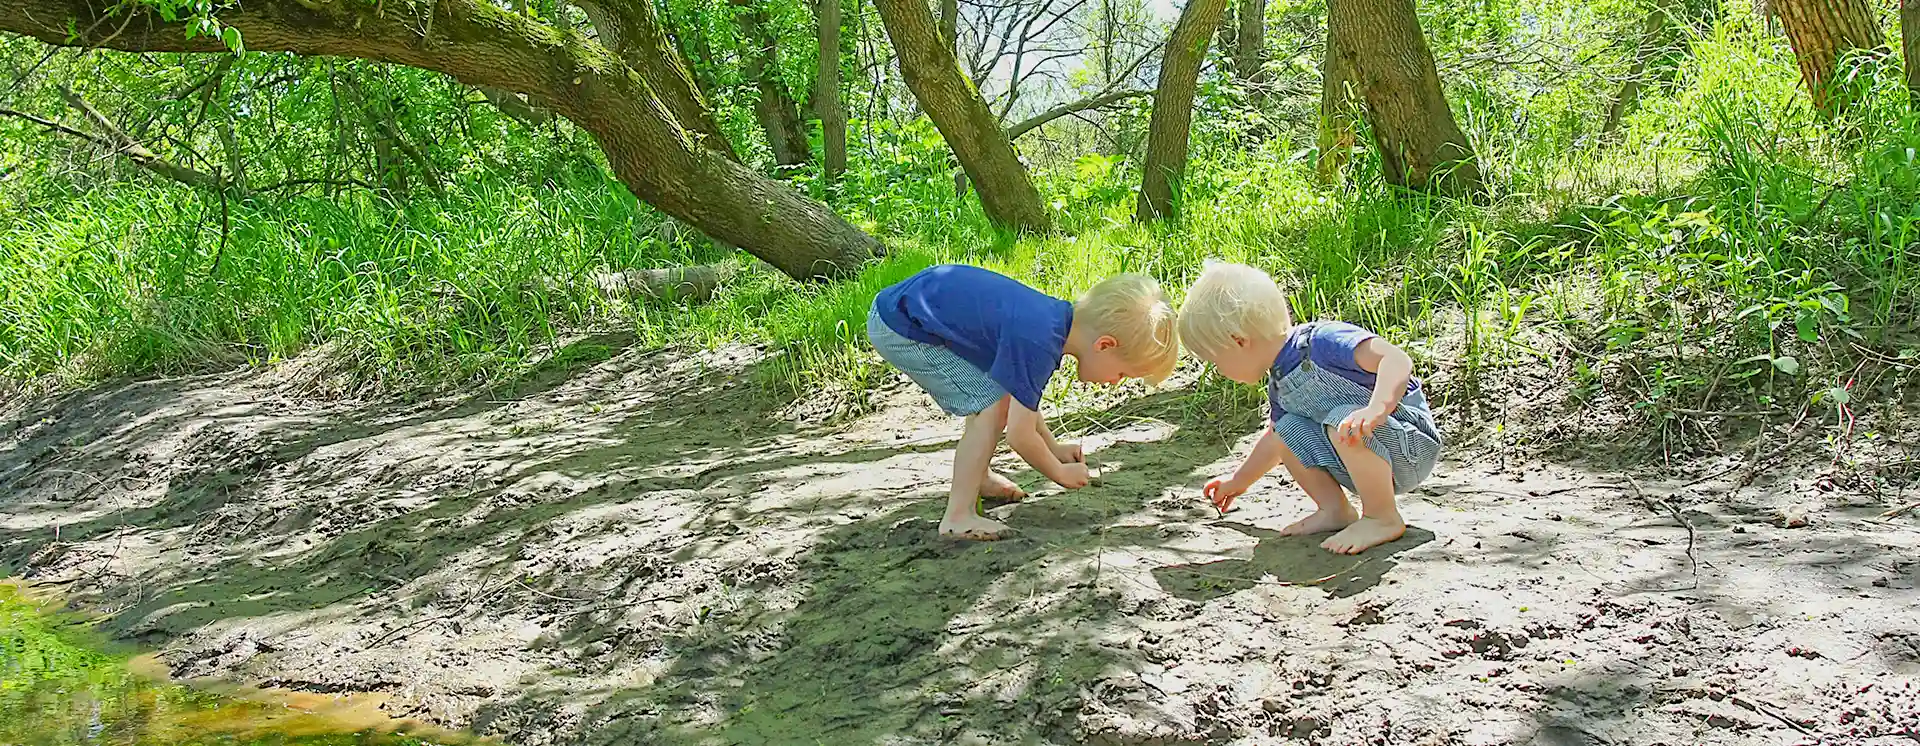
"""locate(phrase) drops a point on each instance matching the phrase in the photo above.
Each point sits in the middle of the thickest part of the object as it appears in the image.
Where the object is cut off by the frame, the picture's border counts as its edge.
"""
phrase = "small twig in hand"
(1651, 501)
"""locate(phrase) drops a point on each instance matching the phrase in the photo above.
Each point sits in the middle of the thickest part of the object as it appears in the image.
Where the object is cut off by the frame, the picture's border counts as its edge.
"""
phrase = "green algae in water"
(62, 684)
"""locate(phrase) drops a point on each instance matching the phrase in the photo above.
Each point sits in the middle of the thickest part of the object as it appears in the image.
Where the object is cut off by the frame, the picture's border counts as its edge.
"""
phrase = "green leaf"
(231, 36)
(1787, 365)
(1805, 323)
(1837, 395)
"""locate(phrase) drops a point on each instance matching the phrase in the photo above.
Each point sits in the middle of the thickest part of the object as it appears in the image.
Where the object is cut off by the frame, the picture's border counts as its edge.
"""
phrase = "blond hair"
(1131, 309)
(1231, 300)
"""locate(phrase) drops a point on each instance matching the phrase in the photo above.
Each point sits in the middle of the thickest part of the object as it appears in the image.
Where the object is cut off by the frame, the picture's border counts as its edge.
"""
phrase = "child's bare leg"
(1331, 512)
(970, 461)
(1380, 520)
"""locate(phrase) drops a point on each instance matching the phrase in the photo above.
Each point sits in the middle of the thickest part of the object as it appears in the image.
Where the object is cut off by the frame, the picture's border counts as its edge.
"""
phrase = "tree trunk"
(962, 116)
(1910, 47)
(1339, 112)
(950, 22)
(1652, 38)
(826, 92)
(1822, 32)
(1250, 49)
(480, 44)
(632, 30)
(1420, 145)
(778, 114)
(1171, 126)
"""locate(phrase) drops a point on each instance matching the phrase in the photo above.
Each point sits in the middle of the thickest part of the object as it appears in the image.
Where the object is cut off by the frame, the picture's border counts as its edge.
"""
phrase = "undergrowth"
(1727, 248)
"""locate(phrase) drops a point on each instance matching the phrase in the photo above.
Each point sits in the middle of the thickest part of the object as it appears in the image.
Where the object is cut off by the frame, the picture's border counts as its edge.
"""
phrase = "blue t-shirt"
(1013, 332)
(1332, 345)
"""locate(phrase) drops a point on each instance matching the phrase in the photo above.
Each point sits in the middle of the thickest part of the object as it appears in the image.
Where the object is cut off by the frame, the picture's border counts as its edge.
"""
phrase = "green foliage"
(1724, 242)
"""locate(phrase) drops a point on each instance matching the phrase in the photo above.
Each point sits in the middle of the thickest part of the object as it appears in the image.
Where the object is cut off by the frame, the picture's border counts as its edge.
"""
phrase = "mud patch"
(647, 550)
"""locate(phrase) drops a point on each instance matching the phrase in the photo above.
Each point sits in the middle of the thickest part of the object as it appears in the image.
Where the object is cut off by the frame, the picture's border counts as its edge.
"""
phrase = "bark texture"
(826, 92)
(1339, 112)
(1420, 144)
(1250, 47)
(779, 115)
(958, 111)
(480, 44)
(1822, 33)
(1172, 123)
(1910, 46)
(632, 30)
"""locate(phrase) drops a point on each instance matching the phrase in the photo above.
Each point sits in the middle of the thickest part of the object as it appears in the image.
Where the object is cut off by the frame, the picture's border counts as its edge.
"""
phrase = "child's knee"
(994, 416)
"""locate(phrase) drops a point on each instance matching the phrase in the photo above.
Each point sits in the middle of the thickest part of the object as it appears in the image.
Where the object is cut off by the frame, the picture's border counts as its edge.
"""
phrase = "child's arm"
(1265, 456)
(1392, 369)
(1023, 434)
(1067, 453)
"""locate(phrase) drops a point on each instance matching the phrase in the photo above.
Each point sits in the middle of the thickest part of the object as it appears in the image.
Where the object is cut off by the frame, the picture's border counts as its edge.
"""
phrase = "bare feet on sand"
(1365, 534)
(1322, 521)
(973, 528)
(1001, 488)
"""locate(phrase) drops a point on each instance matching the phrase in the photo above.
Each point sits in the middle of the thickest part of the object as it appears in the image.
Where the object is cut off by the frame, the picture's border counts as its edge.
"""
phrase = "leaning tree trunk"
(1822, 33)
(480, 44)
(1168, 132)
(1250, 48)
(778, 114)
(632, 30)
(1339, 112)
(1910, 47)
(957, 110)
(1653, 36)
(826, 92)
(1421, 147)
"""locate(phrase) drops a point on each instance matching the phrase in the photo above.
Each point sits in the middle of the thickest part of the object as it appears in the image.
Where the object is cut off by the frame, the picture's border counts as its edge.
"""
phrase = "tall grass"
(1726, 244)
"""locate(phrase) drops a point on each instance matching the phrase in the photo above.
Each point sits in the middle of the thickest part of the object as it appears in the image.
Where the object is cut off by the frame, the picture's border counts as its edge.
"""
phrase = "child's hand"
(1073, 476)
(1069, 453)
(1359, 426)
(1222, 491)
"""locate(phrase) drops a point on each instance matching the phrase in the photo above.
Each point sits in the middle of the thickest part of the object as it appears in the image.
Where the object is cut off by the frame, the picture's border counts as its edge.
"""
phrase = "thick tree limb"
(632, 29)
(480, 44)
(1096, 101)
(124, 144)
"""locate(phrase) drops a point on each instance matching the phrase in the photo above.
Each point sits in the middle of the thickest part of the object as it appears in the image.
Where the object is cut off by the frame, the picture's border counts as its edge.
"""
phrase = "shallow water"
(61, 683)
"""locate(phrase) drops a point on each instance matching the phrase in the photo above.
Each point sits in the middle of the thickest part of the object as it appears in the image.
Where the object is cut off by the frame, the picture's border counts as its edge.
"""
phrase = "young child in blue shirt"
(984, 346)
(1344, 408)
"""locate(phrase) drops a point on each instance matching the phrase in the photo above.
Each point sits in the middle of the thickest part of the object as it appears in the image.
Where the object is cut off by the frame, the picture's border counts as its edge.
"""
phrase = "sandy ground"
(647, 550)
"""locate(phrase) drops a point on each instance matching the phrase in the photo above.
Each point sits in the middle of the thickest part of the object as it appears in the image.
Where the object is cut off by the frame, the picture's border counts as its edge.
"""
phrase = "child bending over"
(1345, 409)
(984, 346)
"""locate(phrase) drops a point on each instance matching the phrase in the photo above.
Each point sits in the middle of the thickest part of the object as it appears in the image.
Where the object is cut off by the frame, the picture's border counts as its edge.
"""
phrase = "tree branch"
(481, 44)
(1097, 101)
(55, 126)
(124, 144)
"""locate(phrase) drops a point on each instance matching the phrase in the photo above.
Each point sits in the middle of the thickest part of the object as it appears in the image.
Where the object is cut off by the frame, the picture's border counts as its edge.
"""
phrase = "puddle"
(62, 683)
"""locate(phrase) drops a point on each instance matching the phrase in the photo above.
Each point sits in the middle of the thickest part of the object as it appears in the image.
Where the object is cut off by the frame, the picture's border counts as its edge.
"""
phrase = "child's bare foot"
(1365, 534)
(1322, 521)
(1001, 488)
(973, 528)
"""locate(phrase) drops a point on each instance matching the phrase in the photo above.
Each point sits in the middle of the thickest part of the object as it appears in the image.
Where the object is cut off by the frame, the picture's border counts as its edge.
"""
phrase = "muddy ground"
(649, 549)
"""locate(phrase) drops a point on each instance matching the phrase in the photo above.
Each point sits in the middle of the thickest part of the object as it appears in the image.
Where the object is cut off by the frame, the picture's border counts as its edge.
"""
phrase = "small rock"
(1794, 517)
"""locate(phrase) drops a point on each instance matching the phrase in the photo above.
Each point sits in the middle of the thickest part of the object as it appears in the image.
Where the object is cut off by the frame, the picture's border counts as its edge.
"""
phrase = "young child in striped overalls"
(1345, 409)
